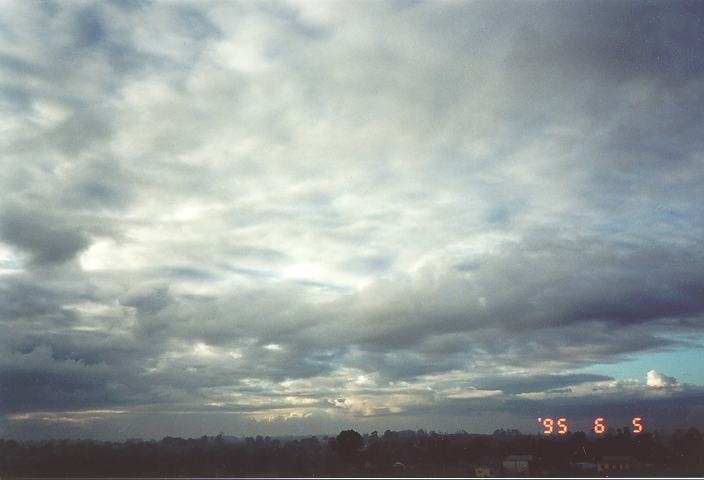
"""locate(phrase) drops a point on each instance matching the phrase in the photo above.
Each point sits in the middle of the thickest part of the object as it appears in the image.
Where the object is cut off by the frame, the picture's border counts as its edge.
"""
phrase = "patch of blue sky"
(684, 365)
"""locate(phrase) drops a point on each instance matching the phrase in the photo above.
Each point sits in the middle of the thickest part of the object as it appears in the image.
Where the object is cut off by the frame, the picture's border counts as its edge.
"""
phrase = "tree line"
(393, 453)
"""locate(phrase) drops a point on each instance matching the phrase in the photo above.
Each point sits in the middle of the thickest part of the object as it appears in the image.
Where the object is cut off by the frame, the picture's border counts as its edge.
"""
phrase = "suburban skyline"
(301, 217)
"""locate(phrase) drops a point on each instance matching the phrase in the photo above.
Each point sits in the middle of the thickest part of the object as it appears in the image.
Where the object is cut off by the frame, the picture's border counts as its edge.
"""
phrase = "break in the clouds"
(297, 217)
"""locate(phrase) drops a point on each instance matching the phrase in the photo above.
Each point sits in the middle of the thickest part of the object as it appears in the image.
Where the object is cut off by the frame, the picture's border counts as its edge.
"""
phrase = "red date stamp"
(560, 427)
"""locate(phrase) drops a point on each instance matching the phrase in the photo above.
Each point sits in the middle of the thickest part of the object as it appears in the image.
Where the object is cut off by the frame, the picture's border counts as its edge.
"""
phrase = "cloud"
(536, 383)
(38, 380)
(147, 299)
(656, 379)
(45, 238)
(433, 212)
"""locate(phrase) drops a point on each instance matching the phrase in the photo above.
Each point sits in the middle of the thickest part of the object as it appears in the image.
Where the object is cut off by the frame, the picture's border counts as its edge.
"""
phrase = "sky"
(289, 218)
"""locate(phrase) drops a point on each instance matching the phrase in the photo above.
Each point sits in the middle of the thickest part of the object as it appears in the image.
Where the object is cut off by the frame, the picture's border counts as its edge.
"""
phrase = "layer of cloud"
(317, 214)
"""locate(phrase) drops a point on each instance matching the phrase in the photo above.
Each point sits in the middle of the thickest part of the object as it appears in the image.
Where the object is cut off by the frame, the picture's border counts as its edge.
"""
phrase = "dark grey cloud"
(663, 413)
(46, 238)
(89, 29)
(147, 299)
(22, 299)
(37, 381)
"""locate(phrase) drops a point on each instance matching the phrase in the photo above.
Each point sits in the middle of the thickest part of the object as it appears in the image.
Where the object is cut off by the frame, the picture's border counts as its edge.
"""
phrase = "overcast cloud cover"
(299, 217)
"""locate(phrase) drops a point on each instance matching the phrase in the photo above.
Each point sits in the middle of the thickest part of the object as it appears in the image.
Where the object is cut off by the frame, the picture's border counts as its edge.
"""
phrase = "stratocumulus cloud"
(305, 216)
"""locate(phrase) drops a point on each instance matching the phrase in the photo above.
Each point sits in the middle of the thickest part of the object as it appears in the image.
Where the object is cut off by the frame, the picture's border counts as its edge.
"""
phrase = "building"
(399, 466)
(584, 467)
(614, 464)
(485, 471)
(518, 465)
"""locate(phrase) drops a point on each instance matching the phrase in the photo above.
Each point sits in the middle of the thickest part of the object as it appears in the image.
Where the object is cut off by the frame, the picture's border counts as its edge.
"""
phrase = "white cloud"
(656, 379)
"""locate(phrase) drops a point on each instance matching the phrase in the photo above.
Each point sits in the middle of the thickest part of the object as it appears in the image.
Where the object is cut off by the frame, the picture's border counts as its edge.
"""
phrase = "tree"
(348, 441)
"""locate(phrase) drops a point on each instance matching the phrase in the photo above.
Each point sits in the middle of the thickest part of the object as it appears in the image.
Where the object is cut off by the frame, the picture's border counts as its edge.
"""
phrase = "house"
(399, 466)
(616, 464)
(485, 471)
(517, 465)
(584, 467)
